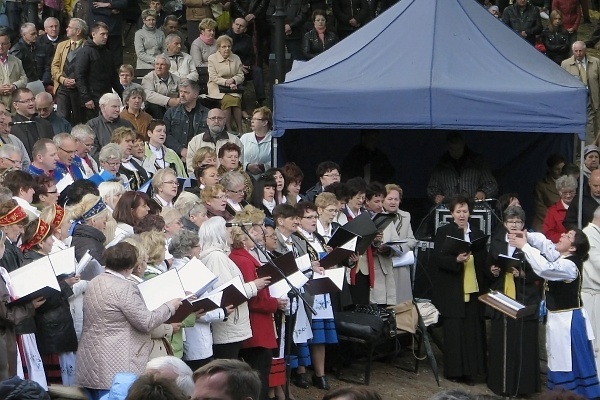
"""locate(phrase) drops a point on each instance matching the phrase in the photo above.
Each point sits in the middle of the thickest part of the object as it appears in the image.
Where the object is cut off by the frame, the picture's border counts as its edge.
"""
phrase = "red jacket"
(261, 307)
(571, 11)
(553, 223)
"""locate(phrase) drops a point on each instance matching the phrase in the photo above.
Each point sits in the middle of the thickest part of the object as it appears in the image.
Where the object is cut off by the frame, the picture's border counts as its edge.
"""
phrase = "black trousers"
(228, 350)
(259, 359)
(195, 364)
(361, 291)
(68, 105)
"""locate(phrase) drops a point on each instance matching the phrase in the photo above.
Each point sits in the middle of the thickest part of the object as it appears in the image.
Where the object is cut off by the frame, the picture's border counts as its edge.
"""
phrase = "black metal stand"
(294, 293)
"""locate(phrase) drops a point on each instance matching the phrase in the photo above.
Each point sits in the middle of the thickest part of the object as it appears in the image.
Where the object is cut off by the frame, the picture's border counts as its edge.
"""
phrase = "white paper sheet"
(281, 288)
(161, 289)
(32, 277)
(303, 263)
(404, 260)
(196, 277)
(335, 274)
(63, 261)
(64, 182)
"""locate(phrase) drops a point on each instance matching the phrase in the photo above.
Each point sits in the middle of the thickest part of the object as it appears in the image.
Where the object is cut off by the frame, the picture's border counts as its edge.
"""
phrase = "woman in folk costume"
(456, 289)
(13, 219)
(54, 328)
(523, 285)
(9, 317)
(569, 335)
(323, 325)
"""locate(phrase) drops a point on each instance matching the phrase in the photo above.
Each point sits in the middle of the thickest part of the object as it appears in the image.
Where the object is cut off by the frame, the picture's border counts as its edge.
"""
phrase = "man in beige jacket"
(12, 73)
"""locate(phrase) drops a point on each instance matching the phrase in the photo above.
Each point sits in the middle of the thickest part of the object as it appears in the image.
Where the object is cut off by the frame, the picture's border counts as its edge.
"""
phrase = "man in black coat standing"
(28, 127)
(94, 74)
(45, 46)
(25, 49)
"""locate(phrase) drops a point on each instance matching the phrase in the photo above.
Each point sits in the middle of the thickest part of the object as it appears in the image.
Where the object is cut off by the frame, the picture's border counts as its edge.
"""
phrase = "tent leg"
(580, 192)
(274, 155)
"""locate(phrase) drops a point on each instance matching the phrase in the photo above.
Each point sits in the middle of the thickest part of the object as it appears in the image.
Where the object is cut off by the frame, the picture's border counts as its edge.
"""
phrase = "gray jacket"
(148, 44)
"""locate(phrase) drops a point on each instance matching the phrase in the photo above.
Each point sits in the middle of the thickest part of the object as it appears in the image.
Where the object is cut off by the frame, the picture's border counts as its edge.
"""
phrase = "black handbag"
(366, 322)
(227, 89)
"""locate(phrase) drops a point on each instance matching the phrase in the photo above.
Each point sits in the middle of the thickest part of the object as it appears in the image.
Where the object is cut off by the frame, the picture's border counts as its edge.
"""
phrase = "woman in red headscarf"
(55, 332)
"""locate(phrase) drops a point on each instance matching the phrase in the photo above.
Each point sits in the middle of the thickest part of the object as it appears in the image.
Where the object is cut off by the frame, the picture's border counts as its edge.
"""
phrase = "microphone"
(20, 122)
(238, 224)
(482, 200)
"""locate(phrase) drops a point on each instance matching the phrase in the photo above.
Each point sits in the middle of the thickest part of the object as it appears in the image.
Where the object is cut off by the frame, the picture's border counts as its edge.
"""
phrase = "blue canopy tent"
(429, 64)
(424, 66)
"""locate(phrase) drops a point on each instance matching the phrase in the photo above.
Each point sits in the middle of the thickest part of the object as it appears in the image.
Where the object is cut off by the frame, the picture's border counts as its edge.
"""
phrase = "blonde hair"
(110, 189)
(249, 214)
(87, 202)
(186, 202)
(170, 215)
(207, 23)
(326, 199)
(391, 186)
(47, 214)
(154, 242)
(201, 154)
(157, 179)
(136, 241)
(210, 192)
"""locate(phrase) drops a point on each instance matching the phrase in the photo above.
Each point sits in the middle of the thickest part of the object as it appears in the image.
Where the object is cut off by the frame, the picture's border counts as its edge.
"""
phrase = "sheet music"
(196, 277)
(404, 259)
(161, 289)
(63, 262)
(85, 260)
(303, 263)
(350, 245)
(281, 288)
(64, 182)
(32, 277)
(119, 236)
(336, 275)
(507, 301)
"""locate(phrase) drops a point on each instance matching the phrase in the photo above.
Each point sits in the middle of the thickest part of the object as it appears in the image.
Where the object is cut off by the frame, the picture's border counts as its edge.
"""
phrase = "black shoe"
(320, 382)
(300, 381)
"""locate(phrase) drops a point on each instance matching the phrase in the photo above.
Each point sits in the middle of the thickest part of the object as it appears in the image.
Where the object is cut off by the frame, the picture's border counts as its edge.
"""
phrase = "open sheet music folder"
(507, 306)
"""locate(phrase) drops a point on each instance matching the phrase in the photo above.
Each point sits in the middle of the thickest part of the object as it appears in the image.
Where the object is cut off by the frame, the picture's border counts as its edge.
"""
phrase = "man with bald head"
(44, 105)
(587, 69)
(591, 201)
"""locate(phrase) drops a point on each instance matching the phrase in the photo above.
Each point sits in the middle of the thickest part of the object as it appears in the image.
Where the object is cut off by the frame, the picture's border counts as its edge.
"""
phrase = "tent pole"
(580, 205)
(274, 154)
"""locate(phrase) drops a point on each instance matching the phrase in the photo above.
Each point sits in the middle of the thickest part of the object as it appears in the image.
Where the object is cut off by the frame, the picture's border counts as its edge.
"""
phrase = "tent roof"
(432, 64)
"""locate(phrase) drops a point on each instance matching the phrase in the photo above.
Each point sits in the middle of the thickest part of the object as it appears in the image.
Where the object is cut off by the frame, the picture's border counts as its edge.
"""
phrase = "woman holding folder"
(456, 288)
(514, 277)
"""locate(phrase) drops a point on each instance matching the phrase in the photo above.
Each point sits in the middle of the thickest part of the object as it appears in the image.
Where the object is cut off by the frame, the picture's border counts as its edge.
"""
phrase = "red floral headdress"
(59, 216)
(40, 233)
(15, 215)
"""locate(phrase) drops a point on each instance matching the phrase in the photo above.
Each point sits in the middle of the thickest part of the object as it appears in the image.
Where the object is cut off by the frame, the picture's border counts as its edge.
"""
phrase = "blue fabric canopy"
(432, 64)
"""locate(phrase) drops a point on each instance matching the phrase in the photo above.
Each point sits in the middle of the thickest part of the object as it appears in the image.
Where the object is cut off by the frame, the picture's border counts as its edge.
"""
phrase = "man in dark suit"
(28, 127)
(45, 46)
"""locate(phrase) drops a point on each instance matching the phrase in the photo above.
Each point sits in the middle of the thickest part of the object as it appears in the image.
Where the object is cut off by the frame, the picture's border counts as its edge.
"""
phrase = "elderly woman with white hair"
(110, 160)
(553, 226)
(172, 369)
(164, 187)
(84, 141)
(234, 184)
(192, 210)
(229, 334)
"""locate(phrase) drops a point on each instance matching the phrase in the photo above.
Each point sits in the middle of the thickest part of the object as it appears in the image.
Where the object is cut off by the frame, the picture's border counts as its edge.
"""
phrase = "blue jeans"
(14, 11)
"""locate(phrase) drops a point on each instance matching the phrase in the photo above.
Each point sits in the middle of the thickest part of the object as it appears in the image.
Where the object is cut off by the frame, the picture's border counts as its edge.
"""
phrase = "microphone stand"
(293, 293)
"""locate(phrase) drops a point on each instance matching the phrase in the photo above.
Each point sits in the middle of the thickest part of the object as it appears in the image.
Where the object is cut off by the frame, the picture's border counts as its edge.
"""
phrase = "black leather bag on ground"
(227, 89)
(366, 322)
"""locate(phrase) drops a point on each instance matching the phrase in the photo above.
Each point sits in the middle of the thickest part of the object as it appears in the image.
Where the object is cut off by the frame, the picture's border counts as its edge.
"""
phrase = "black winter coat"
(295, 16)
(93, 73)
(12, 258)
(312, 45)
(557, 45)
(527, 19)
(448, 293)
(25, 53)
(86, 238)
(44, 52)
(17, 389)
(241, 8)
(345, 10)
(55, 332)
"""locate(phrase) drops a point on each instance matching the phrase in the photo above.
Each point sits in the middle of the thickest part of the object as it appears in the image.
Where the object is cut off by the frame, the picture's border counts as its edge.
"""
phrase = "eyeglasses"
(220, 197)
(216, 118)
(67, 151)
(332, 175)
(258, 119)
(331, 210)
(43, 109)
(571, 194)
(518, 222)
(13, 161)
(31, 100)
(171, 182)
(113, 164)
(237, 191)
(311, 217)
